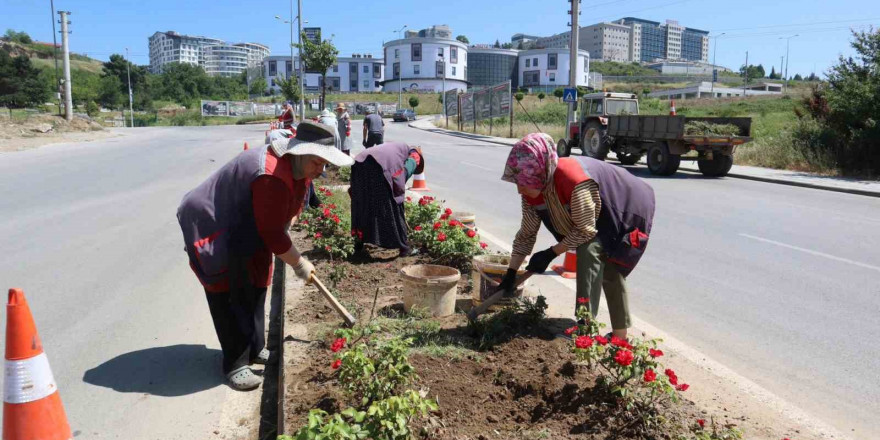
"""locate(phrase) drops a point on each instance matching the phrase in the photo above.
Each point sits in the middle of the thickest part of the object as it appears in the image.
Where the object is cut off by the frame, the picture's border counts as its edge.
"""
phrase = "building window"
(354, 84)
(336, 68)
(273, 68)
(396, 53)
(535, 62)
(441, 69)
(453, 55)
(288, 68)
(354, 68)
(440, 52)
(335, 83)
(453, 70)
(416, 52)
(416, 69)
(531, 78)
(377, 70)
(552, 77)
(528, 62)
(366, 84)
(366, 69)
(586, 66)
(551, 61)
(396, 71)
(377, 84)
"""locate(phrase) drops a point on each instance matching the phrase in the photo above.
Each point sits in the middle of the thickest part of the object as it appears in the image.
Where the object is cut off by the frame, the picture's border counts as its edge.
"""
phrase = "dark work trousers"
(375, 139)
(239, 317)
(312, 197)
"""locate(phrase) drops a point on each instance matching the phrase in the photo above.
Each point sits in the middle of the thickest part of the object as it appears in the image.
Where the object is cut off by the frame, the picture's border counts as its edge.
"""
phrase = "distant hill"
(41, 55)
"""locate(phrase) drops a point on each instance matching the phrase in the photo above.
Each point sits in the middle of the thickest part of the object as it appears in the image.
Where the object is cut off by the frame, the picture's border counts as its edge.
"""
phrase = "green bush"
(187, 118)
(92, 109)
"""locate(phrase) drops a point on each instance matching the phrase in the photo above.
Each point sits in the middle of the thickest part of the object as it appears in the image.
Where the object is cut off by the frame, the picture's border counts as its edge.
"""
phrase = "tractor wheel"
(594, 143)
(661, 162)
(719, 166)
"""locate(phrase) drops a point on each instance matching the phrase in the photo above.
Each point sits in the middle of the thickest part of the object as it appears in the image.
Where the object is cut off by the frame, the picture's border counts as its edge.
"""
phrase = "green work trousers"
(594, 275)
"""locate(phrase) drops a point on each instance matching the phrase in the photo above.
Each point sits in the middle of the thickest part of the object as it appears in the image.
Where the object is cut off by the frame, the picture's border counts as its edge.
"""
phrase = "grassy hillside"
(42, 56)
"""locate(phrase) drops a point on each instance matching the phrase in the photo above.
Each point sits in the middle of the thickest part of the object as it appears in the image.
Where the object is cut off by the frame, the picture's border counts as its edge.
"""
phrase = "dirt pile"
(39, 125)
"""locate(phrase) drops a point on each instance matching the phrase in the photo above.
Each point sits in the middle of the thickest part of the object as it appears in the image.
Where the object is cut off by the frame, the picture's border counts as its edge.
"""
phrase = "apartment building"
(357, 73)
(426, 60)
(216, 56)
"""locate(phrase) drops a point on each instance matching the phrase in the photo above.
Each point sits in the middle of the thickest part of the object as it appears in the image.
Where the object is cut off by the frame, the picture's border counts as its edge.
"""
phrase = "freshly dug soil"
(524, 387)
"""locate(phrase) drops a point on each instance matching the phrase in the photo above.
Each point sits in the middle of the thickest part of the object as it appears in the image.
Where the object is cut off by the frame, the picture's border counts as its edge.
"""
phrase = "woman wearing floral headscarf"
(600, 210)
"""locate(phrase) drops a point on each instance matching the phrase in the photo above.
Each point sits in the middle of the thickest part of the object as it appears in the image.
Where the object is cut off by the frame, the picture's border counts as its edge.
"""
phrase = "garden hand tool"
(349, 320)
(499, 293)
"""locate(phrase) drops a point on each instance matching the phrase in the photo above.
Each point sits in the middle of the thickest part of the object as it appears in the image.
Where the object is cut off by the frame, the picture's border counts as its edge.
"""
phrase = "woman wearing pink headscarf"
(600, 210)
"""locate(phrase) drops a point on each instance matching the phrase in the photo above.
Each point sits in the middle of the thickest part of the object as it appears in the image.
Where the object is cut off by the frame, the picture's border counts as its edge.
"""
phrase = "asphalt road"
(779, 283)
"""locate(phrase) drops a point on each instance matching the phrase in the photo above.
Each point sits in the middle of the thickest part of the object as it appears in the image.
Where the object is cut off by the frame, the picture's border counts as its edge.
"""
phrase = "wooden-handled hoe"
(340, 309)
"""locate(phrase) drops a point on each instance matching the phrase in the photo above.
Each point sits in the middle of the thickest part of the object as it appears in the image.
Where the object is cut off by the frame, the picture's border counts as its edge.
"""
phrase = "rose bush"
(329, 226)
(447, 241)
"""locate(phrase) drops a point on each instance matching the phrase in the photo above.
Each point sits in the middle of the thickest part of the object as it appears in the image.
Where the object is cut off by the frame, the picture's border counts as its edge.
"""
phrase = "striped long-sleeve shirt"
(573, 205)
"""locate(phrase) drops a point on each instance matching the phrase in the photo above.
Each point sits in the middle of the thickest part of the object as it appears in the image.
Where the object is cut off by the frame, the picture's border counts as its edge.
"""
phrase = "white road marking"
(477, 166)
(812, 252)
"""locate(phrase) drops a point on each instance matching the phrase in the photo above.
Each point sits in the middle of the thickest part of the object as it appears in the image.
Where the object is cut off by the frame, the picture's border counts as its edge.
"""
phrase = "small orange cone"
(569, 266)
(32, 407)
(245, 146)
(672, 107)
(419, 183)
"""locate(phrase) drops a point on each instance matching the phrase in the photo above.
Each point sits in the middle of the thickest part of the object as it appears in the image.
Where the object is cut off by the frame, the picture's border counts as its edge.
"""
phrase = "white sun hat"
(313, 139)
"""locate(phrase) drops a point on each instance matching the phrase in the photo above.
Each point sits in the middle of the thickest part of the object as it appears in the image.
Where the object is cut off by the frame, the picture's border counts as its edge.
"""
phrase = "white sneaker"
(243, 379)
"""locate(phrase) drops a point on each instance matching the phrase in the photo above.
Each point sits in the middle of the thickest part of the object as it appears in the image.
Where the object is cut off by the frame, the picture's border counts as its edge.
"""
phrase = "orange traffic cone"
(419, 183)
(569, 266)
(245, 146)
(31, 404)
(672, 107)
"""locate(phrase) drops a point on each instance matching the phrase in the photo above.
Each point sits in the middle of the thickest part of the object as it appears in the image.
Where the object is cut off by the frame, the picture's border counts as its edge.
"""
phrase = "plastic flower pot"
(431, 287)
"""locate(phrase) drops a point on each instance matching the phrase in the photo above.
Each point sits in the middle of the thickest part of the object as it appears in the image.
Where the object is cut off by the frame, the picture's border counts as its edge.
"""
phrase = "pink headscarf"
(532, 161)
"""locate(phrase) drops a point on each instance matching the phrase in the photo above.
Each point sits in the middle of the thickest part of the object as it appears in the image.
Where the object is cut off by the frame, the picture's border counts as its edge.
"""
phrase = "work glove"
(541, 260)
(303, 269)
(508, 283)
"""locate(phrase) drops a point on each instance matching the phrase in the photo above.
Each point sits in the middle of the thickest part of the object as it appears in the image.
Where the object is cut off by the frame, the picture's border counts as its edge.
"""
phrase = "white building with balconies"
(217, 57)
(359, 73)
(549, 68)
(420, 62)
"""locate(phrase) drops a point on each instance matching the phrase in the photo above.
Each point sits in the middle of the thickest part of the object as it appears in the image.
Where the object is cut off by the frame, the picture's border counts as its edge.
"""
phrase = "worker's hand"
(541, 260)
(508, 283)
(303, 269)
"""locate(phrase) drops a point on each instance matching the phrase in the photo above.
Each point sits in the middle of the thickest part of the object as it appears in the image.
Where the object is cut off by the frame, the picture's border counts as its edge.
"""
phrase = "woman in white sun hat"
(235, 221)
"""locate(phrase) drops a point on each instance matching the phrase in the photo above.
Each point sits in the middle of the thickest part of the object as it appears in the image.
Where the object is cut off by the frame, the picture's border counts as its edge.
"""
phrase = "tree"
(17, 37)
(541, 96)
(751, 71)
(85, 86)
(558, 92)
(519, 96)
(798, 77)
(109, 95)
(289, 88)
(92, 109)
(497, 44)
(519, 45)
(21, 84)
(119, 67)
(319, 57)
(463, 39)
(258, 86)
(507, 46)
(773, 72)
(413, 102)
(182, 83)
(812, 77)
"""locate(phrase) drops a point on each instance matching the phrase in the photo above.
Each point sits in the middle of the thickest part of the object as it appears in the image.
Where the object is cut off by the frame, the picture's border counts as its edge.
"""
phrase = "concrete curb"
(779, 181)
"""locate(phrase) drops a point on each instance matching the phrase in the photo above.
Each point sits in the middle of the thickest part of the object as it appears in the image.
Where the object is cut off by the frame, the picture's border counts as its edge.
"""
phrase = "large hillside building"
(217, 57)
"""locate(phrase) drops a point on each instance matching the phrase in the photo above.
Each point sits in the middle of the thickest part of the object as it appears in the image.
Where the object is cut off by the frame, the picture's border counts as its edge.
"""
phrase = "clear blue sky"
(101, 27)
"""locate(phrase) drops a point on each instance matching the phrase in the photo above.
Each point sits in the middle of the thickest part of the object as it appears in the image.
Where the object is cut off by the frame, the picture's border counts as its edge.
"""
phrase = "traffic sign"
(569, 95)
(714, 75)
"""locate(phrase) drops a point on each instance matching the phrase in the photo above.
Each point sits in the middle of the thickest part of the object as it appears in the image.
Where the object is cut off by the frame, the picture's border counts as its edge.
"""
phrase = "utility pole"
(443, 91)
(130, 96)
(399, 73)
(65, 47)
(787, 43)
(746, 75)
(55, 56)
(301, 70)
(573, 58)
(781, 64)
(715, 66)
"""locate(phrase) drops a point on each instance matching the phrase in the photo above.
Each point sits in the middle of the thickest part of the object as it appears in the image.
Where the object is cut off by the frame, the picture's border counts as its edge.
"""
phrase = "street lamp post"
(399, 74)
(298, 19)
(130, 97)
(787, 43)
(715, 66)
(443, 89)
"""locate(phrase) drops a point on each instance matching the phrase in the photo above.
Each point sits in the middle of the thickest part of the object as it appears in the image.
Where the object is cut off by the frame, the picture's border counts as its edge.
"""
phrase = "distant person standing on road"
(235, 221)
(600, 210)
(374, 129)
(343, 126)
(327, 118)
(287, 118)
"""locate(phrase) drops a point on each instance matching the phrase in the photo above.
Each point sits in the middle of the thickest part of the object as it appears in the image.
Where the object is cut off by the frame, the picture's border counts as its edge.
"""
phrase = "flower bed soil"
(526, 386)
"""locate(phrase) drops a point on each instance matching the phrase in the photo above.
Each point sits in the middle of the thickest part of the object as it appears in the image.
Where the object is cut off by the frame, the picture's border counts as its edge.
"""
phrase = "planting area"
(512, 374)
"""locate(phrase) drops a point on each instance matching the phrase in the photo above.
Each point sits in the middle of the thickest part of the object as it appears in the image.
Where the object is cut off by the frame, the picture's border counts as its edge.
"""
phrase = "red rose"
(454, 223)
(447, 211)
(655, 353)
(336, 364)
(441, 237)
(624, 358)
(328, 193)
(353, 232)
(423, 202)
(620, 343)
(583, 342)
(337, 345)
(583, 300)
(471, 234)
(437, 225)
(318, 235)
(701, 422)
(328, 248)
(326, 212)
(322, 189)
(360, 235)
(332, 206)
(417, 228)
(336, 219)
(650, 375)
(571, 330)
(483, 245)
(683, 387)
(444, 217)
(673, 379)
(408, 199)
(602, 340)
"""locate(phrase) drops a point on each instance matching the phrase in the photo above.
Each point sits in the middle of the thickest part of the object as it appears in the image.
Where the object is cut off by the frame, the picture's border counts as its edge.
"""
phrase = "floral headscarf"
(532, 161)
